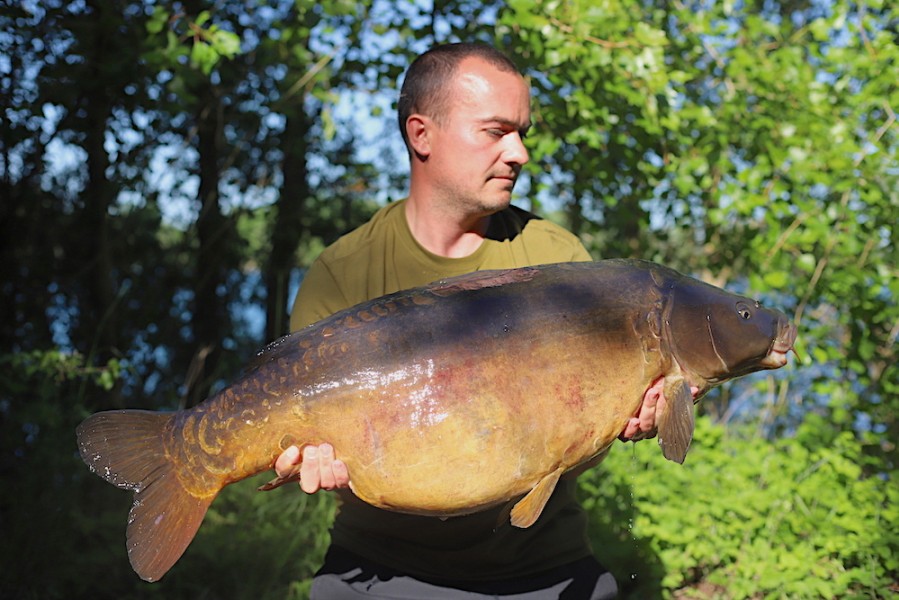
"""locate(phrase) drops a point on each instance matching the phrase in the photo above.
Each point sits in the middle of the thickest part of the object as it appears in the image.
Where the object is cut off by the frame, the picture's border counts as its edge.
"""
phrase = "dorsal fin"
(481, 279)
(270, 352)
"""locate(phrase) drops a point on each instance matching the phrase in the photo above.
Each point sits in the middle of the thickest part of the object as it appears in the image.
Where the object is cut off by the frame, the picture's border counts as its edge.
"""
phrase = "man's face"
(476, 150)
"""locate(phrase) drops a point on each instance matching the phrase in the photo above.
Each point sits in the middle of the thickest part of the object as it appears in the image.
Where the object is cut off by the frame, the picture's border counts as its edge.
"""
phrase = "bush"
(746, 518)
(64, 528)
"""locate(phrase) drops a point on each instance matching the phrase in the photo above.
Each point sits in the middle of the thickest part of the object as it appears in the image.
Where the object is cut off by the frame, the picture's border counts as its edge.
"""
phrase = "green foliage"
(42, 399)
(747, 518)
(209, 42)
(259, 545)
(54, 368)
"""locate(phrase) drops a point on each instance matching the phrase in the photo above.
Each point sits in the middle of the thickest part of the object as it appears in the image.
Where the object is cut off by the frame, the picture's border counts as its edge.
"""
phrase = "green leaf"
(225, 43)
(203, 56)
(157, 22)
(776, 279)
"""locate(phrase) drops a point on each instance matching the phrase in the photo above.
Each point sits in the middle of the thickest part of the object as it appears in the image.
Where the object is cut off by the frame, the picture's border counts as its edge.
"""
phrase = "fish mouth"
(780, 346)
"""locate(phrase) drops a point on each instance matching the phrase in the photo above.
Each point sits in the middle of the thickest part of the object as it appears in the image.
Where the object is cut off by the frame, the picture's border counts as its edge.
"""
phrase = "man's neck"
(445, 234)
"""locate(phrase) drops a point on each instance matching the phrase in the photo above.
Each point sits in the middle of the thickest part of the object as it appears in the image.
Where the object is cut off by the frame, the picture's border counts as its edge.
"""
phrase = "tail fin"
(125, 448)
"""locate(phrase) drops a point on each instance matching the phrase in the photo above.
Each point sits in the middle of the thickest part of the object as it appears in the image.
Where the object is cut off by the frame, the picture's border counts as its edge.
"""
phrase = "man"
(463, 112)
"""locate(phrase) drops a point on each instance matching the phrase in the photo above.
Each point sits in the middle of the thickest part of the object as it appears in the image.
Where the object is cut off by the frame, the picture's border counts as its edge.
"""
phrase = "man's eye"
(496, 132)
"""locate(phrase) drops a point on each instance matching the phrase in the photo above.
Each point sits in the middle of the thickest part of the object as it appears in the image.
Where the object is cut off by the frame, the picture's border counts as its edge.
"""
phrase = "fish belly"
(456, 435)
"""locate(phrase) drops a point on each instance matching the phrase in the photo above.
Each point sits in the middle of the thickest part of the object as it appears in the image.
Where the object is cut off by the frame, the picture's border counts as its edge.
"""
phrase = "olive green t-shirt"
(382, 257)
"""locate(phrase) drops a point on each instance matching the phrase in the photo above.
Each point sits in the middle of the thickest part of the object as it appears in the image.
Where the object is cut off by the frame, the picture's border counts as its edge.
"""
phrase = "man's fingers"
(653, 400)
(318, 469)
(341, 474)
(310, 473)
(644, 420)
(286, 461)
(648, 417)
(325, 467)
(630, 430)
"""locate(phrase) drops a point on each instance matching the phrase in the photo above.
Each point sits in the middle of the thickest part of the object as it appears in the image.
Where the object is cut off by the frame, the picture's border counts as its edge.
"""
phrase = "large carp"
(445, 399)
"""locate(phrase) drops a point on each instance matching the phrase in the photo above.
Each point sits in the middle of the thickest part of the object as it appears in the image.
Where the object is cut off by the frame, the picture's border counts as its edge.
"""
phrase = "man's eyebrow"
(508, 123)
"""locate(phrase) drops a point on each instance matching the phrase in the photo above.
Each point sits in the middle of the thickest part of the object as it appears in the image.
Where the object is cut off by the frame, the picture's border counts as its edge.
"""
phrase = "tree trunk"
(99, 315)
(210, 315)
(288, 224)
(98, 197)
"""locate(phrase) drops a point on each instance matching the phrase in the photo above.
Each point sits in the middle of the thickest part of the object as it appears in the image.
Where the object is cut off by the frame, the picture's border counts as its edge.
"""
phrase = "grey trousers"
(345, 576)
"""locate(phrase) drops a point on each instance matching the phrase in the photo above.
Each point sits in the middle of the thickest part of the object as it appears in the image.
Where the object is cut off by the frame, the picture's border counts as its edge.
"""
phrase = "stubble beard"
(492, 201)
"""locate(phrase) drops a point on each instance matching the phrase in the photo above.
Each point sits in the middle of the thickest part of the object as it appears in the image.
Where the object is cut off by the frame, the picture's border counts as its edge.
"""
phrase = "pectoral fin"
(526, 512)
(676, 422)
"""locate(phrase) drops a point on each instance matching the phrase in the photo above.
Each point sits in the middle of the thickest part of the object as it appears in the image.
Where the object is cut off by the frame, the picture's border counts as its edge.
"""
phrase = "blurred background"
(168, 169)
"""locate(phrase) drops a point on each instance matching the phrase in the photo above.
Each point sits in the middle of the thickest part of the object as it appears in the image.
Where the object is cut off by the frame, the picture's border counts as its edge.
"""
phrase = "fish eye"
(744, 311)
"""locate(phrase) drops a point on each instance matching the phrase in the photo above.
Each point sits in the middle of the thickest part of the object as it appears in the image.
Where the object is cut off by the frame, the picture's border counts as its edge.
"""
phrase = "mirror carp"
(446, 399)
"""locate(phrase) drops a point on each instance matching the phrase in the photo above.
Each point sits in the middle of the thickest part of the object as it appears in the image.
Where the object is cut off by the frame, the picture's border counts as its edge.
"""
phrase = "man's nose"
(515, 152)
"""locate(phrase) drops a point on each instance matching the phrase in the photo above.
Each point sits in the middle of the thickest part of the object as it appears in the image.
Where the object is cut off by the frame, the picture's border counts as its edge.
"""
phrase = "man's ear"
(418, 129)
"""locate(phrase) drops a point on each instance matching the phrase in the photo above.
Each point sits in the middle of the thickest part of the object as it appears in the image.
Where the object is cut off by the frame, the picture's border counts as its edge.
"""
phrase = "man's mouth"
(511, 175)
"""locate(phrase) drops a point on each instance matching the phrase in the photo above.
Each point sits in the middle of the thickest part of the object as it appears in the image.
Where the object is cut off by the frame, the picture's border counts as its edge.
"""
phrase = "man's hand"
(643, 424)
(319, 470)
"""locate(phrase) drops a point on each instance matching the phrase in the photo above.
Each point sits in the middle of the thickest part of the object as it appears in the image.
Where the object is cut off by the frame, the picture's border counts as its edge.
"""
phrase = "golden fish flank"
(522, 374)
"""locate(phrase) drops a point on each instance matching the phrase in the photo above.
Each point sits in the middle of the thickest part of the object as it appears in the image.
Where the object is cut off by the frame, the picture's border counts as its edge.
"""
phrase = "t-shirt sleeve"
(319, 296)
(579, 252)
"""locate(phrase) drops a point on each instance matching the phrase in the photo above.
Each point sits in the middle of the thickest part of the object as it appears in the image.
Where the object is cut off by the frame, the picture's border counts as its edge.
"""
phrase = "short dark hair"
(424, 89)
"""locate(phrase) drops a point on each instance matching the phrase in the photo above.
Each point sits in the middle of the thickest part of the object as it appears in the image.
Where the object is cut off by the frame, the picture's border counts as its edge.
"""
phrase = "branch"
(565, 28)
